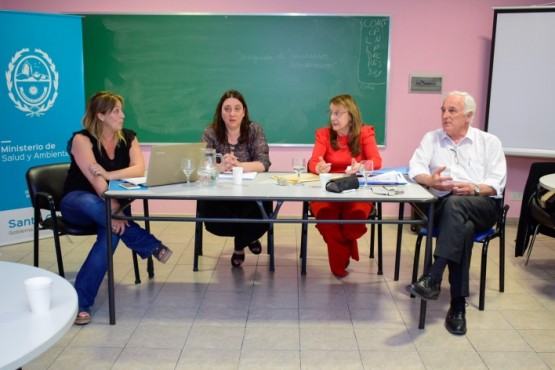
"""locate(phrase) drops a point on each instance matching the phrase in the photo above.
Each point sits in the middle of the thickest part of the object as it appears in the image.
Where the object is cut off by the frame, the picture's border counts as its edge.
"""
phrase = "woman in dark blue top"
(103, 151)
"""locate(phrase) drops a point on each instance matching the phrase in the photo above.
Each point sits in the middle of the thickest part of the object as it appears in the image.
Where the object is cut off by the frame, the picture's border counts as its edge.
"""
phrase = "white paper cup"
(324, 178)
(38, 293)
(237, 175)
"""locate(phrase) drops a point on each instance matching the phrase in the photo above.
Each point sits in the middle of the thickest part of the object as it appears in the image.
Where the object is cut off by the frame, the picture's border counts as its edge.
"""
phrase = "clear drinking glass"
(299, 166)
(366, 168)
(187, 166)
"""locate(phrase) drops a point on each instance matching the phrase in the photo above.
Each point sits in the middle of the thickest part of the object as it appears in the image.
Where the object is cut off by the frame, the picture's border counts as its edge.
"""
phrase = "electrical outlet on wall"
(516, 195)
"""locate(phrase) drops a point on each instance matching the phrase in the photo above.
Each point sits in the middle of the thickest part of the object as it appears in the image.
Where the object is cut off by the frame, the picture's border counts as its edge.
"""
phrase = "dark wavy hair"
(218, 123)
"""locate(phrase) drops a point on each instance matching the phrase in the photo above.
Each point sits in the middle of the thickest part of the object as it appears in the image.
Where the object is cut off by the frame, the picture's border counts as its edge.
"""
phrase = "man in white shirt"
(466, 168)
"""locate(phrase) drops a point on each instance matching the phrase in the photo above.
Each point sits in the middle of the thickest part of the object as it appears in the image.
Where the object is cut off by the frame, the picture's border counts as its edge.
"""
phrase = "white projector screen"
(521, 92)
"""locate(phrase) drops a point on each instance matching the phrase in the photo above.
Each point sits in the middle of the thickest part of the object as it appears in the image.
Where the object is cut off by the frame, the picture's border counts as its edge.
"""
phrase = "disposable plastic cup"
(237, 175)
(38, 293)
(324, 178)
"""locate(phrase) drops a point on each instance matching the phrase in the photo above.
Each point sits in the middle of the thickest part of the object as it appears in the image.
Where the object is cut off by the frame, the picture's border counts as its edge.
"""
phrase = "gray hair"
(469, 103)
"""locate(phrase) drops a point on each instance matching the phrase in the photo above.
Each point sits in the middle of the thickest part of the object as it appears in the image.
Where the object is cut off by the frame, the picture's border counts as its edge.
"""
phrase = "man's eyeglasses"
(387, 190)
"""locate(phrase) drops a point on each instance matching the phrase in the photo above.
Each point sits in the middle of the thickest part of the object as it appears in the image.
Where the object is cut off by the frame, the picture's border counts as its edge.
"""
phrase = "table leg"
(304, 239)
(399, 241)
(427, 262)
(149, 263)
(109, 257)
(198, 241)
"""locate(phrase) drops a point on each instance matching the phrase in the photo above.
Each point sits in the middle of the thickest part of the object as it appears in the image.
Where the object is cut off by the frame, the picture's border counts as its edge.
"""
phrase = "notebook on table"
(164, 167)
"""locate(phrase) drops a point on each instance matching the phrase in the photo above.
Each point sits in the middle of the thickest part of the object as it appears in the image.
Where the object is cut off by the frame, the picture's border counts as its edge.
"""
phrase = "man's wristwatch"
(476, 189)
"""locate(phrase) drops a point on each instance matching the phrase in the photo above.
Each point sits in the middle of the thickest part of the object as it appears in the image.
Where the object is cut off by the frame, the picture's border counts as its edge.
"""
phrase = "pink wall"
(448, 37)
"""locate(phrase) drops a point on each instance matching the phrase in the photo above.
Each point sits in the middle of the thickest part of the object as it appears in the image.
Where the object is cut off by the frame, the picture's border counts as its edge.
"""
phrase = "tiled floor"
(248, 318)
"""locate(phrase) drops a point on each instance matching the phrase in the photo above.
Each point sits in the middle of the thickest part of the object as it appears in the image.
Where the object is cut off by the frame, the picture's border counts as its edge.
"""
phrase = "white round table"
(23, 334)
(548, 182)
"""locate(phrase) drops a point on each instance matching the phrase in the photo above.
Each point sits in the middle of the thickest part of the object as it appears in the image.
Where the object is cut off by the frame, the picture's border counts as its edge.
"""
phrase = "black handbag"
(341, 184)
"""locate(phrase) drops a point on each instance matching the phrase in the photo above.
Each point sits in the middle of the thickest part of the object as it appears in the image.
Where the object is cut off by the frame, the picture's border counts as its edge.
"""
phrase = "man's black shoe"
(455, 322)
(425, 288)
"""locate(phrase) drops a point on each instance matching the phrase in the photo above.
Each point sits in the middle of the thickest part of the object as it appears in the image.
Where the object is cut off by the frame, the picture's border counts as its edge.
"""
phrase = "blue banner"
(41, 104)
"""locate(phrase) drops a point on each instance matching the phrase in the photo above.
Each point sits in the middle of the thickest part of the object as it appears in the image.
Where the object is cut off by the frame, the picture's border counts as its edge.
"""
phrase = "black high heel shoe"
(237, 259)
(255, 247)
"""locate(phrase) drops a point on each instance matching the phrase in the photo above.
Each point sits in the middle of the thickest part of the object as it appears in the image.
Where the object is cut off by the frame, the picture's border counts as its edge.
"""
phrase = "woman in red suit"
(344, 142)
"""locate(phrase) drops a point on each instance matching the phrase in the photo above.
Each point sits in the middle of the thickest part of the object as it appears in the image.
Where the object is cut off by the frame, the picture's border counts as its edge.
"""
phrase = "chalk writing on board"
(318, 61)
(372, 47)
(297, 60)
(256, 58)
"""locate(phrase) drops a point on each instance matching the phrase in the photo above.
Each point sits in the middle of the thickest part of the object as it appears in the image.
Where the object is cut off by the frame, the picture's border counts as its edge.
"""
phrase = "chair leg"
(372, 234)
(150, 267)
(377, 215)
(136, 268)
(36, 242)
(531, 245)
(59, 254)
(416, 259)
(270, 235)
(483, 271)
(502, 262)
(198, 244)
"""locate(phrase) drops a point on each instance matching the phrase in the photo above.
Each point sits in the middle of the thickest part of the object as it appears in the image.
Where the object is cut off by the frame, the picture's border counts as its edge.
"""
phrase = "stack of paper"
(305, 177)
(136, 180)
(229, 175)
(387, 178)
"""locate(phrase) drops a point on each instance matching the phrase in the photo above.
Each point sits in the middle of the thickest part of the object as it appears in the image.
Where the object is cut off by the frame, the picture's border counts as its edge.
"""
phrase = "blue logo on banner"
(32, 82)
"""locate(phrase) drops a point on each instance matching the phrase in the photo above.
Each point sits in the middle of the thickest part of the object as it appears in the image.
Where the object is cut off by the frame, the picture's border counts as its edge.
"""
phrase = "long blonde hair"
(350, 105)
(101, 102)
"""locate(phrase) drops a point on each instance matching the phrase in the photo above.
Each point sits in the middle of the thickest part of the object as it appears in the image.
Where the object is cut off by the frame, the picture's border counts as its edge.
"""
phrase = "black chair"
(46, 184)
(526, 223)
(542, 221)
(497, 231)
(199, 236)
(375, 214)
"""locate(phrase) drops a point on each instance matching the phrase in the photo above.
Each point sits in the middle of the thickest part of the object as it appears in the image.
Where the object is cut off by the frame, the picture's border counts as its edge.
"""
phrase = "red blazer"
(342, 157)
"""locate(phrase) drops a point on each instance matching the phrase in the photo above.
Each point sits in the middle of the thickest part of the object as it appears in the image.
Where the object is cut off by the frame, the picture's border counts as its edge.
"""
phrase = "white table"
(548, 182)
(264, 188)
(23, 334)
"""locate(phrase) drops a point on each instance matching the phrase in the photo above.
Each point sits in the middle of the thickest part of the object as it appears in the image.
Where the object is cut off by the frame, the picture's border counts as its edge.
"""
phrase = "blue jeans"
(85, 208)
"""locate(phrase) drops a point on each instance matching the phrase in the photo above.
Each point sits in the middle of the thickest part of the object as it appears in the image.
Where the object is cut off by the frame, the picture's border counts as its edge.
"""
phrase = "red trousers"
(341, 238)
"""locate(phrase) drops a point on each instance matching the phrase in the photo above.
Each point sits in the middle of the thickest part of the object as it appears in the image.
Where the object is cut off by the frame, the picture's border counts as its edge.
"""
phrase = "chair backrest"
(525, 221)
(49, 178)
(503, 210)
(540, 215)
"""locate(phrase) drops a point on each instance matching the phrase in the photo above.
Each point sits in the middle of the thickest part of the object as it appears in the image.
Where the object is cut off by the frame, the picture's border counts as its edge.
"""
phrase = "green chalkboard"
(172, 70)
